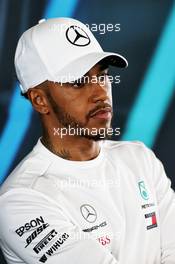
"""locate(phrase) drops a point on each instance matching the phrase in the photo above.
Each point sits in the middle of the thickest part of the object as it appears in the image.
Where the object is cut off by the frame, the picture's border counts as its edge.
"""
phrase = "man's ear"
(38, 100)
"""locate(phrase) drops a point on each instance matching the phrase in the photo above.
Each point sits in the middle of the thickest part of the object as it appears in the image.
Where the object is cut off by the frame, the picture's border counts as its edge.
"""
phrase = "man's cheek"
(110, 96)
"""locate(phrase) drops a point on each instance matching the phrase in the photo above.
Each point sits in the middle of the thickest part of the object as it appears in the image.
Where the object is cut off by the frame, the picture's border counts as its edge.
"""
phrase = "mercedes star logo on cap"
(77, 36)
(89, 213)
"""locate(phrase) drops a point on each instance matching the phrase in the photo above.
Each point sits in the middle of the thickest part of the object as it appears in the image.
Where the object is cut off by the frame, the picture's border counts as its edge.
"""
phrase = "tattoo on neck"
(63, 153)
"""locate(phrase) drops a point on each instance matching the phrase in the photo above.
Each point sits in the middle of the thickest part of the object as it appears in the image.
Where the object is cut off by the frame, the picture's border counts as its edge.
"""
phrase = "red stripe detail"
(154, 220)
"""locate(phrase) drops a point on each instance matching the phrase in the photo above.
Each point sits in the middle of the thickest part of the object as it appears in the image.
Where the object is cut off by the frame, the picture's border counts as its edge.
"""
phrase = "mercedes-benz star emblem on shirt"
(77, 36)
(89, 213)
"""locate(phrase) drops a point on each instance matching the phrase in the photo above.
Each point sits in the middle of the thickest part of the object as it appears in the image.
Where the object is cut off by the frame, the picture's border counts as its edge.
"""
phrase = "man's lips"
(102, 113)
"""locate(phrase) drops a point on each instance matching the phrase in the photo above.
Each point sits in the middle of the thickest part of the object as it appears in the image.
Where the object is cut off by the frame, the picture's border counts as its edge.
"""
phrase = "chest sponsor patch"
(34, 234)
(143, 191)
(151, 220)
(144, 206)
(88, 212)
(31, 225)
(46, 240)
(103, 224)
(55, 246)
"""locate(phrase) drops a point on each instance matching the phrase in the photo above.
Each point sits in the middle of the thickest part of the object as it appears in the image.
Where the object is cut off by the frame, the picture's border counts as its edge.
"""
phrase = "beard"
(68, 121)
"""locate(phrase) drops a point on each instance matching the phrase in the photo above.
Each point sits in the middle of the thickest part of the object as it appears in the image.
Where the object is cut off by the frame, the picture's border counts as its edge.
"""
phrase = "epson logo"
(45, 241)
(36, 233)
(26, 227)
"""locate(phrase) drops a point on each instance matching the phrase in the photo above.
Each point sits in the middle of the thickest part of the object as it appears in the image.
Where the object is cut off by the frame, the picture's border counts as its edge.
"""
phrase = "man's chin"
(97, 134)
(85, 132)
(97, 137)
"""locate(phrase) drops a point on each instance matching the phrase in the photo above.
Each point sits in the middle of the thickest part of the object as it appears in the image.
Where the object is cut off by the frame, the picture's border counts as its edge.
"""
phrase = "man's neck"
(74, 148)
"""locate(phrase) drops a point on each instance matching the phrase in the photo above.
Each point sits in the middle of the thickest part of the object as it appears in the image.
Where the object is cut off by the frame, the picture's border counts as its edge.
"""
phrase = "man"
(77, 198)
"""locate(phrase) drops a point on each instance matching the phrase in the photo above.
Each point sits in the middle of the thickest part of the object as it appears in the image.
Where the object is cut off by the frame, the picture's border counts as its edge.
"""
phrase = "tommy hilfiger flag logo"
(151, 220)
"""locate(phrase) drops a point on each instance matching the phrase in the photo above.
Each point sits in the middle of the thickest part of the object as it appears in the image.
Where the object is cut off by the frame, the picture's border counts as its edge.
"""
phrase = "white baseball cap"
(60, 50)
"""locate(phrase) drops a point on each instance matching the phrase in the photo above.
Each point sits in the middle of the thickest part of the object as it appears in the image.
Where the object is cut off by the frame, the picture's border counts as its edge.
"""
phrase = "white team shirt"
(115, 209)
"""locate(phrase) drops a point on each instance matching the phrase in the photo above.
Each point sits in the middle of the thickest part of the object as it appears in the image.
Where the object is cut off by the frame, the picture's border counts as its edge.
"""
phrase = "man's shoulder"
(131, 152)
(124, 145)
(26, 173)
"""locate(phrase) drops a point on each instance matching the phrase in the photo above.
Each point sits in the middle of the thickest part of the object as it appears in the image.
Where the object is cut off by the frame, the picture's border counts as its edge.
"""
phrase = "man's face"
(86, 103)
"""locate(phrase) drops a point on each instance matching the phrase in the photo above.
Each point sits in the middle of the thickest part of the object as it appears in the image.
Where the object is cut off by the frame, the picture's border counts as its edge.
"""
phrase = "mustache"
(100, 106)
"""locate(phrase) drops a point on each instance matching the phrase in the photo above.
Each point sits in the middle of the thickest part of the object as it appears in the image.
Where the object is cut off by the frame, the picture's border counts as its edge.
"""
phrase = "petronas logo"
(143, 190)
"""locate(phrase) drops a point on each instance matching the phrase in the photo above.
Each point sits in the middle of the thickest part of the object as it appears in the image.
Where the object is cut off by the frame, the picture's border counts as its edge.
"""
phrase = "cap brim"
(76, 69)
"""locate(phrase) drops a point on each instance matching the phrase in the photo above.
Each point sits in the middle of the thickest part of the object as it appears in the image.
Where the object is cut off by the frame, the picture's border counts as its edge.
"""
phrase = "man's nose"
(99, 92)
